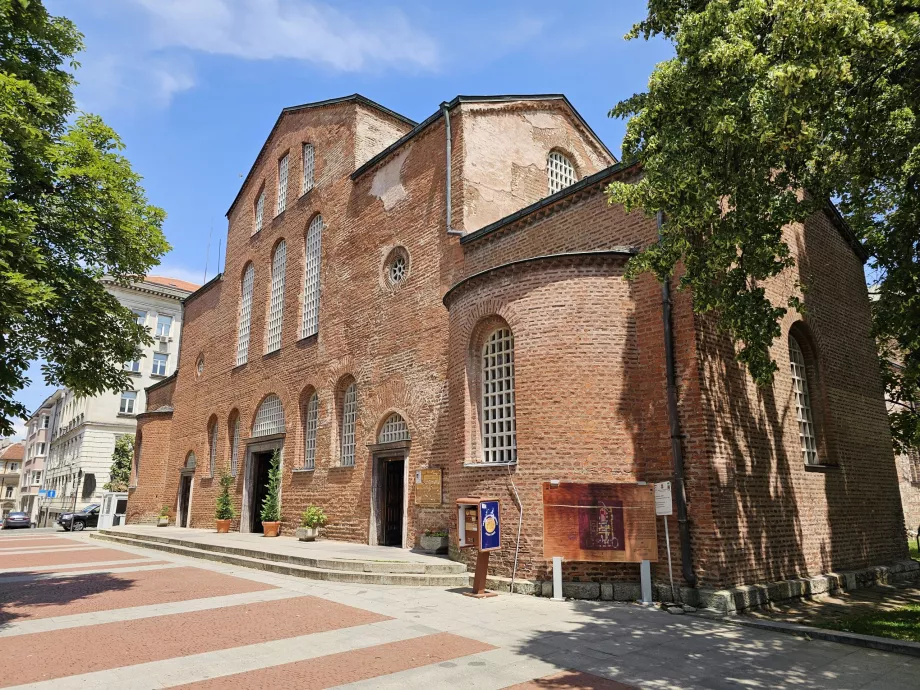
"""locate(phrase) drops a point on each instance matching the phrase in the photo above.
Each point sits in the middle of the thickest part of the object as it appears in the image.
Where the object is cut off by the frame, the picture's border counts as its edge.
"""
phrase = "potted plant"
(271, 504)
(434, 541)
(224, 512)
(163, 517)
(310, 521)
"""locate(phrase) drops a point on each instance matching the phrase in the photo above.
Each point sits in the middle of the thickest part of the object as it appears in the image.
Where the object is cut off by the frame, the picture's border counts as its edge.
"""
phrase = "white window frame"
(499, 425)
(275, 321)
(128, 402)
(167, 320)
(311, 421)
(247, 285)
(349, 425)
(283, 166)
(311, 278)
(134, 366)
(140, 317)
(212, 449)
(808, 438)
(235, 447)
(160, 358)
(560, 172)
(259, 213)
(309, 167)
(46, 420)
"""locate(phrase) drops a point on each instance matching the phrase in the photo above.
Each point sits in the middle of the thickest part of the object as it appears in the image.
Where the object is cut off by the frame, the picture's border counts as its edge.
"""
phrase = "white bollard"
(557, 579)
(645, 576)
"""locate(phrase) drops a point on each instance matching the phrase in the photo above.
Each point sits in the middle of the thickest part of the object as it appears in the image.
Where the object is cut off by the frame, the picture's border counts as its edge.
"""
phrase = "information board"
(663, 504)
(599, 522)
(489, 526)
(428, 487)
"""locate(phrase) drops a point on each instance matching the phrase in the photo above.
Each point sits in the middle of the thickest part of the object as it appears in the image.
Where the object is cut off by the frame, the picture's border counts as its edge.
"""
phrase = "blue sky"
(194, 86)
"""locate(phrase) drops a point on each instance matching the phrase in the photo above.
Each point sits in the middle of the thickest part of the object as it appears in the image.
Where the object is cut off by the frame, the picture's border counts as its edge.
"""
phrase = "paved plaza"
(79, 613)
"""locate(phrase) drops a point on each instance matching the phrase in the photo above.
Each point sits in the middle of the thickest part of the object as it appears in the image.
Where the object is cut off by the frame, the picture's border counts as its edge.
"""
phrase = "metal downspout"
(445, 110)
(677, 454)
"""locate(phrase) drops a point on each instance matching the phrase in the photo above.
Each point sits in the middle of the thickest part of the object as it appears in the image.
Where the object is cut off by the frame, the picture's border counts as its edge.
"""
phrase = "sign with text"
(489, 526)
(663, 504)
(599, 522)
(428, 487)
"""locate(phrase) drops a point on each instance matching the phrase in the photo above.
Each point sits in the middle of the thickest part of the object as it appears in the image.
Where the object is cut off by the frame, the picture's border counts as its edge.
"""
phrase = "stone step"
(391, 567)
(280, 565)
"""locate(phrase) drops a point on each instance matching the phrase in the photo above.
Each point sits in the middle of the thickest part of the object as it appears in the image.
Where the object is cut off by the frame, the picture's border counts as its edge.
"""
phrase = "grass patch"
(899, 624)
(914, 553)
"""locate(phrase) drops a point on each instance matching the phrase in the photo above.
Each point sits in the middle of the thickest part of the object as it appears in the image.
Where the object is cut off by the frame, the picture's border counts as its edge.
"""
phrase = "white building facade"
(83, 430)
(37, 445)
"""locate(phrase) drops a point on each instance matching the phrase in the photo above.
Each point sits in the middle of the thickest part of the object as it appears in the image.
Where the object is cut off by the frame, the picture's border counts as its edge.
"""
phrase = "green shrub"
(271, 504)
(312, 517)
(224, 506)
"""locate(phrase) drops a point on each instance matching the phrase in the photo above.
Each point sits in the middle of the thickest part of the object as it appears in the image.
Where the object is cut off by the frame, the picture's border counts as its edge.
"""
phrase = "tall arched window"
(245, 320)
(310, 422)
(281, 204)
(269, 417)
(276, 299)
(212, 448)
(807, 435)
(259, 213)
(234, 443)
(307, 168)
(312, 246)
(499, 435)
(560, 172)
(349, 422)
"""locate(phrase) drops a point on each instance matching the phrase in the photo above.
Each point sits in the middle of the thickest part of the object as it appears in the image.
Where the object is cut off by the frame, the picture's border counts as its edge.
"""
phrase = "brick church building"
(450, 295)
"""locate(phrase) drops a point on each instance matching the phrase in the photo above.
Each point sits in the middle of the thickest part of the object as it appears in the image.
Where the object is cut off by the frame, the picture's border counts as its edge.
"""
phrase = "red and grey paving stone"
(140, 619)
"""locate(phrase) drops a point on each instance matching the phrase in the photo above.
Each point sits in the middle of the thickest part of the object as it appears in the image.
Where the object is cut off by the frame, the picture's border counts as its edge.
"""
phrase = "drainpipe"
(445, 110)
(686, 556)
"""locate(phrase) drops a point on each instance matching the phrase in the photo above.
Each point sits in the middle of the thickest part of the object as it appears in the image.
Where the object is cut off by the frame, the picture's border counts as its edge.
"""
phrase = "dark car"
(14, 520)
(76, 522)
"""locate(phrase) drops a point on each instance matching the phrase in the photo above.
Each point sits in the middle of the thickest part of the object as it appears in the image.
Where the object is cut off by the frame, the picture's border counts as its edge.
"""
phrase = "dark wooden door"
(260, 476)
(393, 503)
(185, 493)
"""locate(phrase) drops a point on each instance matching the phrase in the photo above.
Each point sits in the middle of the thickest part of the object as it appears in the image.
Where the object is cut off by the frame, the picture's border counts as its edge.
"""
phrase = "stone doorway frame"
(180, 508)
(259, 444)
(380, 453)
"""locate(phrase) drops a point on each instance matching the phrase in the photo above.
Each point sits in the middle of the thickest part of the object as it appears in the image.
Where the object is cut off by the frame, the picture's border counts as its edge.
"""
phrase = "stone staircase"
(405, 573)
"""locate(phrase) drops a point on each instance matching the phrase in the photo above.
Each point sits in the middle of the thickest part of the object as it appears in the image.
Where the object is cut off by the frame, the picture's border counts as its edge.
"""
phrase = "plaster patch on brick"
(387, 183)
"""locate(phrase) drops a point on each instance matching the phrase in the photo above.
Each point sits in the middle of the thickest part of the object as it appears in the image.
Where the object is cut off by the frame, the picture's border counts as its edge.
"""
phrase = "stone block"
(581, 590)
(546, 588)
(627, 591)
(606, 591)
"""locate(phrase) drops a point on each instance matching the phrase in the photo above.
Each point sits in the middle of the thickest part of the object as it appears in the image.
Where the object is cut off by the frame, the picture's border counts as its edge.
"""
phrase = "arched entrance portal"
(267, 437)
(390, 483)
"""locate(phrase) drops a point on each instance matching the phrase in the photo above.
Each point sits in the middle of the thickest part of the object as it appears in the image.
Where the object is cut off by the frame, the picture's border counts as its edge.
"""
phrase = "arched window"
(560, 172)
(245, 320)
(499, 440)
(276, 299)
(212, 448)
(269, 417)
(190, 461)
(307, 168)
(259, 213)
(349, 421)
(234, 443)
(807, 435)
(310, 422)
(312, 245)
(282, 185)
(393, 429)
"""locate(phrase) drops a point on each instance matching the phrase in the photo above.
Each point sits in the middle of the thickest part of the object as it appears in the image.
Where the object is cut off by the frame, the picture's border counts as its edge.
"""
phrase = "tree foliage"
(271, 504)
(71, 211)
(769, 109)
(122, 457)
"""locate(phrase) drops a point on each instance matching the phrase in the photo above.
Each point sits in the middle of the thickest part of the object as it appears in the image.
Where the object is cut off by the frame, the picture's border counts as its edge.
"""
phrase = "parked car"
(14, 520)
(76, 522)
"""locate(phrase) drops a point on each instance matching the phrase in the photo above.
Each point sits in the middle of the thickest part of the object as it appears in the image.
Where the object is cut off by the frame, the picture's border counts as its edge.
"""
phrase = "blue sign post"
(52, 493)
(479, 526)
(489, 526)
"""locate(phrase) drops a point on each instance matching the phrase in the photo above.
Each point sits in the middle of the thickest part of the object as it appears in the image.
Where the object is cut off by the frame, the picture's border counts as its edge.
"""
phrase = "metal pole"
(667, 542)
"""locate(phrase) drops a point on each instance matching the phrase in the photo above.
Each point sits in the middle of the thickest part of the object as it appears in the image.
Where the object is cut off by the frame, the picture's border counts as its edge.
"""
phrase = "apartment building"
(37, 442)
(11, 457)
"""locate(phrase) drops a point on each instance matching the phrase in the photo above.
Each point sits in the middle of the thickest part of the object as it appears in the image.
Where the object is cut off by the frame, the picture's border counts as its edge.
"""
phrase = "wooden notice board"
(599, 522)
(428, 487)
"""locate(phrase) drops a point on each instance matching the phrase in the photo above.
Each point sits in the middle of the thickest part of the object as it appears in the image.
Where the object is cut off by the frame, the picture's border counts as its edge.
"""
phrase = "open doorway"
(185, 499)
(259, 472)
(390, 508)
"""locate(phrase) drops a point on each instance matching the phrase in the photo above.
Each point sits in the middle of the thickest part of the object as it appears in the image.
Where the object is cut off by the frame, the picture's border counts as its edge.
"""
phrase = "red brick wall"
(149, 489)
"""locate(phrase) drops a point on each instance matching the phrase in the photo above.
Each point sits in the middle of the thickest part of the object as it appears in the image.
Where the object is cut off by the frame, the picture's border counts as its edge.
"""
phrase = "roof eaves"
(846, 231)
(203, 288)
(162, 382)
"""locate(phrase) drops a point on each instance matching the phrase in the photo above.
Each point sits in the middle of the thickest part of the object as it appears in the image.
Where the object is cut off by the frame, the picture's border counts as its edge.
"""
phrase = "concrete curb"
(883, 644)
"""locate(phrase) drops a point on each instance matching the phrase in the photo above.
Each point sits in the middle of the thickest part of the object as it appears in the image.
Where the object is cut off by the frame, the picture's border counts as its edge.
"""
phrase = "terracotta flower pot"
(223, 526)
(271, 529)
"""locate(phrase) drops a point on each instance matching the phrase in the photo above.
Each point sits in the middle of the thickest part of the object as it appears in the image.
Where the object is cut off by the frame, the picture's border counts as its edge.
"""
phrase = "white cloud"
(19, 429)
(131, 79)
(292, 29)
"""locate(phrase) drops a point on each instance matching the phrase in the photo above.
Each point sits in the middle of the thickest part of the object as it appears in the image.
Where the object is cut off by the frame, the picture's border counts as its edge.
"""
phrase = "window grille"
(269, 418)
(307, 168)
(349, 419)
(260, 208)
(235, 447)
(242, 338)
(311, 420)
(559, 171)
(212, 449)
(398, 270)
(312, 247)
(190, 461)
(276, 301)
(913, 464)
(802, 403)
(128, 398)
(393, 429)
(282, 184)
(499, 435)
(159, 364)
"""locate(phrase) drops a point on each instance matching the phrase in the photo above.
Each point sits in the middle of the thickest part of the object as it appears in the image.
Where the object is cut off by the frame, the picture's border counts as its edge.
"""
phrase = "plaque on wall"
(428, 487)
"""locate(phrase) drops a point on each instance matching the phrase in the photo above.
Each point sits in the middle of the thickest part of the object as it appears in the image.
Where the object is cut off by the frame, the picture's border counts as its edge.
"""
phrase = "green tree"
(223, 509)
(764, 99)
(271, 504)
(120, 472)
(71, 211)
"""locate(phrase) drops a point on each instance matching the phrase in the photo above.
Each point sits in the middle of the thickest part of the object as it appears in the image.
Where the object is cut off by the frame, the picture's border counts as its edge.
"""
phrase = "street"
(77, 613)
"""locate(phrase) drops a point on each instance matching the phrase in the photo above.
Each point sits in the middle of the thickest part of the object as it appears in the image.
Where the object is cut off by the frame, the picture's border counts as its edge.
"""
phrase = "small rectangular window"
(282, 185)
(45, 421)
(141, 317)
(159, 364)
(164, 325)
(134, 366)
(260, 208)
(40, 449)
(307, 168)
(128, 398)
